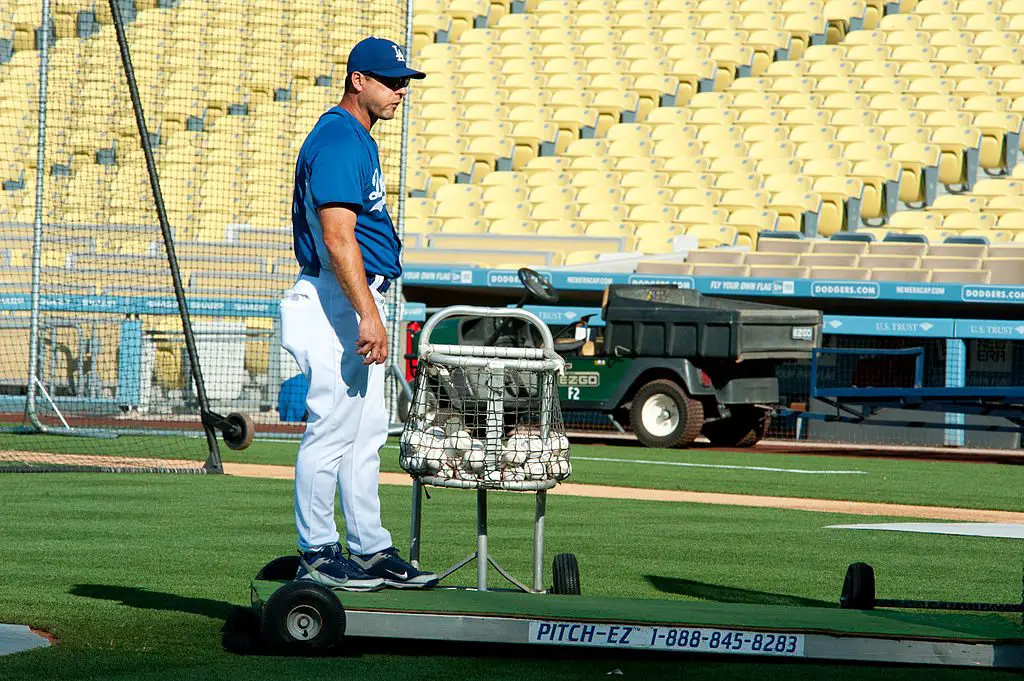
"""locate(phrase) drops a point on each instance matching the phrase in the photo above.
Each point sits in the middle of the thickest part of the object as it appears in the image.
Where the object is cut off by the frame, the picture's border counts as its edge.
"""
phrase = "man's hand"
(373, 340)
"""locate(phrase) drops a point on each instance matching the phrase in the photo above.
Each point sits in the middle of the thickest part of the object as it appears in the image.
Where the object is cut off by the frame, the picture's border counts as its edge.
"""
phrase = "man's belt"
(381, 287)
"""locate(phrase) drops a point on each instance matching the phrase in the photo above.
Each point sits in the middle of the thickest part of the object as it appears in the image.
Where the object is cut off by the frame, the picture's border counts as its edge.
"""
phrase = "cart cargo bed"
(665, 321)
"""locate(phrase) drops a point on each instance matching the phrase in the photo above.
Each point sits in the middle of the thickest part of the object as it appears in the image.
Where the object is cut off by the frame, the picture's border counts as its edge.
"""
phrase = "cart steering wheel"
(538, 287)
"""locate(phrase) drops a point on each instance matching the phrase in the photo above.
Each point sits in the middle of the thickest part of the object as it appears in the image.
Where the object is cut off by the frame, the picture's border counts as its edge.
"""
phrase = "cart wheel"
(663, 415)
(241, 631)
(858, 588)
(745, 428)
(303, 617)
(242, 431)
(283, 568)
(566, 572)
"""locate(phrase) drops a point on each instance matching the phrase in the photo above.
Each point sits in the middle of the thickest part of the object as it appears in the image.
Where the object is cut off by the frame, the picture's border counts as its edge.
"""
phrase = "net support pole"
(396, 351)
(213, 462)
(37, 231)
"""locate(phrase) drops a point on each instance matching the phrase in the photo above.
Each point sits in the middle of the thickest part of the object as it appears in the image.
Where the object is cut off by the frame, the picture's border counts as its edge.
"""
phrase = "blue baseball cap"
(382, 57)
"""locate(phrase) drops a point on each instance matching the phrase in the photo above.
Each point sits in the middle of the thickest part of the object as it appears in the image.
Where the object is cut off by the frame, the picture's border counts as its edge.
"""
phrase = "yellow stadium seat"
(841, 197)
(798, 211)
(463, 226)
(512, 226)
(786, 182)
(750, 222)
(707, 198)
(918, 161)
(742, 198)
(699, 215)
(560, 228)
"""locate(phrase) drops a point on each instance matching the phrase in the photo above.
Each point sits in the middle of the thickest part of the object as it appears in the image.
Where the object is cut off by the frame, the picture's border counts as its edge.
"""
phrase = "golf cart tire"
(565, 571)
(691, 415)
(744, 428)
(303, 618)
(279, 569)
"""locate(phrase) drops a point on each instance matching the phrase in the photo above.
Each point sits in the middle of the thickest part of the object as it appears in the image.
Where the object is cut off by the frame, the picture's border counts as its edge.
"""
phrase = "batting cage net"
(94, 368)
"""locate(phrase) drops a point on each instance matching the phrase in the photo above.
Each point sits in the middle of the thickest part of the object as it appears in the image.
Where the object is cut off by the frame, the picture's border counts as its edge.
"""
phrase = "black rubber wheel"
(566, 575)
(858, 588)
(241, 631)
(242, 431)
(663, 415)
(745, 427)
(304, 618)
(279, 569)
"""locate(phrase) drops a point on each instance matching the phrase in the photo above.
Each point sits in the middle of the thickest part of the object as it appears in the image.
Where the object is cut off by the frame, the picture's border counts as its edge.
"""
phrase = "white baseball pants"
(347, 422)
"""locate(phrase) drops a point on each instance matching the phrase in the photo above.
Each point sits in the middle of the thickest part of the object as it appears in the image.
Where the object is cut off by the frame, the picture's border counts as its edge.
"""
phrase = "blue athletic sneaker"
(395, 571)
(328, 566)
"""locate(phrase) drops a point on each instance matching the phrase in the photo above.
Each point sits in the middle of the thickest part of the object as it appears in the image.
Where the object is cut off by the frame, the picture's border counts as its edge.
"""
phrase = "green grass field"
(930, 483)
(135, 574)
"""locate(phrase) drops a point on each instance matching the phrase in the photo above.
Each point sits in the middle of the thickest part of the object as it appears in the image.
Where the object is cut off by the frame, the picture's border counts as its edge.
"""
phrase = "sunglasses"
(391, 83)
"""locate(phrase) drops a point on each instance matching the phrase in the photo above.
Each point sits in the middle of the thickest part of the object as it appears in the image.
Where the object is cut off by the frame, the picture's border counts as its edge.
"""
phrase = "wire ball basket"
(486, 417)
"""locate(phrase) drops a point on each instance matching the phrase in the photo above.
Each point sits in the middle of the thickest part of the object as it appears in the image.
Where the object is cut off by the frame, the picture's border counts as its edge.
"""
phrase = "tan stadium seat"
(840, 273)
(1005, 251)
(664, 267)
(899, 274)
(961, 276)
(1005, 271)
(720, 270)
(768, 244)
(823, 246)
(779, 272)
(932, 262)
(815, 259)
(761, 259)
(873, 261)
(716, 255)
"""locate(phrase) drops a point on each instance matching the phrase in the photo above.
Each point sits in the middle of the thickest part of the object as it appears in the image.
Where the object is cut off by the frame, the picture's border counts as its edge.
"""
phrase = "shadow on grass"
(728, 594)
(239, 634)
(154, 600)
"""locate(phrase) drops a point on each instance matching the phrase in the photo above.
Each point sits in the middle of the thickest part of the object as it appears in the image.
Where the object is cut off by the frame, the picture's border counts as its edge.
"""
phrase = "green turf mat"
(889, 624)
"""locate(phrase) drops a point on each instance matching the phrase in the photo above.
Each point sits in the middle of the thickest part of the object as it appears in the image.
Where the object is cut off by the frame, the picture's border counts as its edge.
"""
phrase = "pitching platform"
(679, 626)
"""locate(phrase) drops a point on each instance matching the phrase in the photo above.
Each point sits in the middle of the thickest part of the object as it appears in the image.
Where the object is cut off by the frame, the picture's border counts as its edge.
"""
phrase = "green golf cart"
(671, 363)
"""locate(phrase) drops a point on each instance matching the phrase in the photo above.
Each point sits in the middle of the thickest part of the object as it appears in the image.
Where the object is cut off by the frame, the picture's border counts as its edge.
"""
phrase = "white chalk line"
(683, 464)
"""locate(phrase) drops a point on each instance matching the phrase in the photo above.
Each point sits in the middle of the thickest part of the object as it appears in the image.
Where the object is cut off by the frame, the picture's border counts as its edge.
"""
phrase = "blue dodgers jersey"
(339, 164)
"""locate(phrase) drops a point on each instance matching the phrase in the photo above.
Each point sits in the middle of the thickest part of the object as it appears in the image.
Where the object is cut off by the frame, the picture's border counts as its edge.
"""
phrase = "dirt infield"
(790, 503)
(566, 489)
(86, 460)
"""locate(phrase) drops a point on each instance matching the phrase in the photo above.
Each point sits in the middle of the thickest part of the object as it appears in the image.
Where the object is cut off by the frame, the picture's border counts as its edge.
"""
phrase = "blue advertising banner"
(797, 288)
(246, 307)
